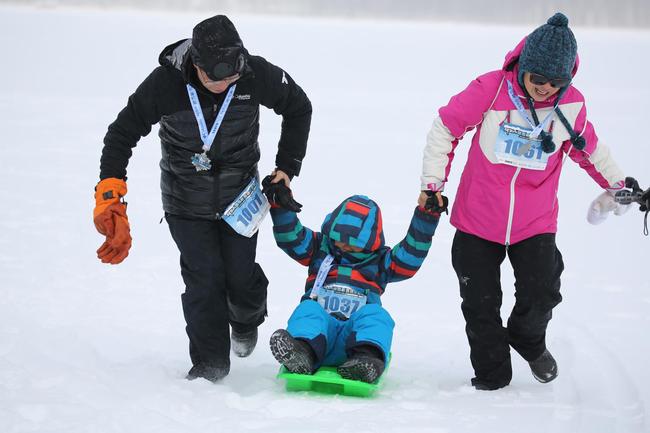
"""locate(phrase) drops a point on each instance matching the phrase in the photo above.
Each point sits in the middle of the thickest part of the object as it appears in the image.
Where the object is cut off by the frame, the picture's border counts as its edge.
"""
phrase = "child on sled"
(340, 320)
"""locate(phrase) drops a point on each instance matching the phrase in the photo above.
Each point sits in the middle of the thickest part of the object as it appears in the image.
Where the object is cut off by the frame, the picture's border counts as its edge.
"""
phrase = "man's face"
(215, 86)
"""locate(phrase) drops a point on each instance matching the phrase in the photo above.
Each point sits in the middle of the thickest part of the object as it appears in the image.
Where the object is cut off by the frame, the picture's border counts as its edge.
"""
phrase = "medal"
(201, 162)
(521, 150)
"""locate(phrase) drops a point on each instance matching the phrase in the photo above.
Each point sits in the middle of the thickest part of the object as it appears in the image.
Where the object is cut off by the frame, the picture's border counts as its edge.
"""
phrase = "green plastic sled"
(327, 381)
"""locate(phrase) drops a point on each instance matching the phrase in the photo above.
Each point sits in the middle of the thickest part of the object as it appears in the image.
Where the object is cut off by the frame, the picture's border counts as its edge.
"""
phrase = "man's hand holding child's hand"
(278, 192)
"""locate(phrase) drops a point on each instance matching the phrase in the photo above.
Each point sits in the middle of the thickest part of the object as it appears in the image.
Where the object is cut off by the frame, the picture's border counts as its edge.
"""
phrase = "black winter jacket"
(162, 97)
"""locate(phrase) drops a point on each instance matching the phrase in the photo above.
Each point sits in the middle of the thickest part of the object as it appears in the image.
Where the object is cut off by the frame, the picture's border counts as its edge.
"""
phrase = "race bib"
(338, 299)
(516, 147)
(246, 212)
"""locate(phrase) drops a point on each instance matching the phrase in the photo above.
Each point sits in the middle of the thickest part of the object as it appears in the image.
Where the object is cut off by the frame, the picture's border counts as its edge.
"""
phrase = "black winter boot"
(365, 363)
(486, 385)
(242, 344)
(544, 368)
(296, 355)
(213, 373)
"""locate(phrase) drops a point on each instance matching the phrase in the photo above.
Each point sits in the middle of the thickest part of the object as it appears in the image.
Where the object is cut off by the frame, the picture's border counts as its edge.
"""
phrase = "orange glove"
(110, 220)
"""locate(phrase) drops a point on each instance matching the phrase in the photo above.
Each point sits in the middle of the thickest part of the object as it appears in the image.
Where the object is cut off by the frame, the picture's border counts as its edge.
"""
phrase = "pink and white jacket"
(499, 202)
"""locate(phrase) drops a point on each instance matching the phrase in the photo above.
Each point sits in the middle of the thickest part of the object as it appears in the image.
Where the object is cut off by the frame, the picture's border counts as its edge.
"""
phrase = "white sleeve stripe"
(436, 154)
(605, 165)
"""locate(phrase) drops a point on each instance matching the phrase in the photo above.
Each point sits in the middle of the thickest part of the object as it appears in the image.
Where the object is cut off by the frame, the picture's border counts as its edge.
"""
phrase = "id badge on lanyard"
(515, 146)
(339, 299)
(246, 212)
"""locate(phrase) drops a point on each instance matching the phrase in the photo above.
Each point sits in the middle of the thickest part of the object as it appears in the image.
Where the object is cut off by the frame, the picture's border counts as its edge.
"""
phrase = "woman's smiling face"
(539, 93)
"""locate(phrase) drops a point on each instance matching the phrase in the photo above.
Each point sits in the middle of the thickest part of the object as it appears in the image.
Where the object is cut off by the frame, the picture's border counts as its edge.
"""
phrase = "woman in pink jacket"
(528, 119)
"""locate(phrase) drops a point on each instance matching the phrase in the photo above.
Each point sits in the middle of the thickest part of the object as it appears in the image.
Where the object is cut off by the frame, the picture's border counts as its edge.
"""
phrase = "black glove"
(636, 194)
(645, 201)
(432, 206)
(279, 194)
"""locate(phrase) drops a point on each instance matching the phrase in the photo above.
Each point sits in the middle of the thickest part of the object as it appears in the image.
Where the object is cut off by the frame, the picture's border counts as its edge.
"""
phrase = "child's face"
(347, 248)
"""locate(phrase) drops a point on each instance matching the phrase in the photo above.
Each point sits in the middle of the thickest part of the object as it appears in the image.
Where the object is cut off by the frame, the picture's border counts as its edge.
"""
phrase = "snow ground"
(86, 347)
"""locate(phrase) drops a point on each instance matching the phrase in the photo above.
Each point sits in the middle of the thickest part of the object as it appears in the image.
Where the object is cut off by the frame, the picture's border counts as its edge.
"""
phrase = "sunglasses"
(231, 61)
(540, 80)
(223, 70)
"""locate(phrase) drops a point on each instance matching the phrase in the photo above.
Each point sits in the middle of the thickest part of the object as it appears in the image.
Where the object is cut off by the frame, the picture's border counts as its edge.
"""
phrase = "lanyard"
(208, 137)
(520, 107)
(320, 277)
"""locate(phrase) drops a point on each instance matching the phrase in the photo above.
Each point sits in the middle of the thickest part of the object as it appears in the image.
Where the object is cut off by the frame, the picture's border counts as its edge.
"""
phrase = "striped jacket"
(356, 222)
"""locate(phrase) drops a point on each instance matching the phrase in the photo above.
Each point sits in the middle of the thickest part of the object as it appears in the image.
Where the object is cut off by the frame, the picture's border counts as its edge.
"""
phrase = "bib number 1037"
(336, 298)
(335, 304)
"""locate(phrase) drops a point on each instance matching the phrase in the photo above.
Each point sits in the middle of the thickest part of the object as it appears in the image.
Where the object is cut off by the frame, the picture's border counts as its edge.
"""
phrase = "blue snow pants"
(331, 338)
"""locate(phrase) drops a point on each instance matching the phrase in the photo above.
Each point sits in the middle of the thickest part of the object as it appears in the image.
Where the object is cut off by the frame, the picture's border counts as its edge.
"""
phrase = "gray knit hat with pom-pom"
(550, 50)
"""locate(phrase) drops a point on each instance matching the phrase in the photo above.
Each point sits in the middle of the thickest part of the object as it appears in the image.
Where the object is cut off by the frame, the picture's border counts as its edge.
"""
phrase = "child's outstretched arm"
(406, 257)
(295, 239)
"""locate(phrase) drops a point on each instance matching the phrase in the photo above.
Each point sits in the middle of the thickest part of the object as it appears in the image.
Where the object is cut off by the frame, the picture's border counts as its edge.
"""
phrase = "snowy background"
(86, 347)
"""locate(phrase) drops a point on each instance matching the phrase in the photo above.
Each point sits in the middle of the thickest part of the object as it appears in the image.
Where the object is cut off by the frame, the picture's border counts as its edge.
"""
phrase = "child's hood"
(356, 222)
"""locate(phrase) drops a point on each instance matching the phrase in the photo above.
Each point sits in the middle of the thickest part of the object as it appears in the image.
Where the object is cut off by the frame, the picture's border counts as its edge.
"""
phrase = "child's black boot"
(296, 355)
(365, 363)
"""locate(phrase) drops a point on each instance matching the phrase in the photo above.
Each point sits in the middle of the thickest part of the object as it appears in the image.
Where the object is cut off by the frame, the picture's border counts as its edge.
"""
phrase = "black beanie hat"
(217, 48)
(550, 50)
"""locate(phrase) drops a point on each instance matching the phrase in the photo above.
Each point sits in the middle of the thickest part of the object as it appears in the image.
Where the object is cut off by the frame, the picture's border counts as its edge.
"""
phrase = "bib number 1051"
(514, 146)
(521, 148)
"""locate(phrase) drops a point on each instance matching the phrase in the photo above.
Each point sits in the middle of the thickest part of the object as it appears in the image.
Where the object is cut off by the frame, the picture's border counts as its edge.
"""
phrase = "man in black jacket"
(206, 95)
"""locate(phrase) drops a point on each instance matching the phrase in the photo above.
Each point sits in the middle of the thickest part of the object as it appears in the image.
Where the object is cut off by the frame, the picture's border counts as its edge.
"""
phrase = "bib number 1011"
(252, 207)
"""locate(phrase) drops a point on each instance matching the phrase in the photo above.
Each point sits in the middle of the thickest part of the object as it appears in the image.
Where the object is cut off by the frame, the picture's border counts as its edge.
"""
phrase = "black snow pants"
(223, 286)
(537, 265)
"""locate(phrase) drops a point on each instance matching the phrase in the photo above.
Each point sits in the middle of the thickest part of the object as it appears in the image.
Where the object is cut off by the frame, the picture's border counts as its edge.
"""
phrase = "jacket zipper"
(215, 176)
(511, 209)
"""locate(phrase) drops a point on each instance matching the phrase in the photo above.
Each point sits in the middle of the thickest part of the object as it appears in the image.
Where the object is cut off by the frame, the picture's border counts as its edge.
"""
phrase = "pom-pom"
(558, 20)
(547, 143)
